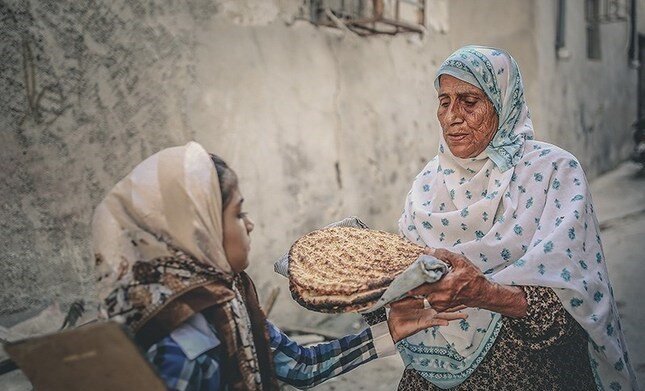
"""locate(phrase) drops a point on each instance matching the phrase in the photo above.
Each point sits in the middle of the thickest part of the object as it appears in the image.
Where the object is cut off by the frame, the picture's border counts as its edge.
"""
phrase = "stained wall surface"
(319, 124)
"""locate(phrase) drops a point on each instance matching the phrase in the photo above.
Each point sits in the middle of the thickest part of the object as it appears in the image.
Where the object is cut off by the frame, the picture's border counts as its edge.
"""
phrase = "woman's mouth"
(457, 136)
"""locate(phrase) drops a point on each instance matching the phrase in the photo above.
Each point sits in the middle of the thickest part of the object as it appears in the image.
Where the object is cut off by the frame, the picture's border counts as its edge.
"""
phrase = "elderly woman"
(525, 249)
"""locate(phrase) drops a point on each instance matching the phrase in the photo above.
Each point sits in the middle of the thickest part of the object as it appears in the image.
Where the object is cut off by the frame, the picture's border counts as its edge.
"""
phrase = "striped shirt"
(189, 358)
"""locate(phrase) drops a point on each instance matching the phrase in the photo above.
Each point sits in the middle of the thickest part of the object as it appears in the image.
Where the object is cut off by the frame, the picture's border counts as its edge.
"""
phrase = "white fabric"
(195, 337)
(383, 343)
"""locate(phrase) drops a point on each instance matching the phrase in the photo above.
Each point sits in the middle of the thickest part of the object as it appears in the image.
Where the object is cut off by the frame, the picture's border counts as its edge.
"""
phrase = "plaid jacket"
(302, 367)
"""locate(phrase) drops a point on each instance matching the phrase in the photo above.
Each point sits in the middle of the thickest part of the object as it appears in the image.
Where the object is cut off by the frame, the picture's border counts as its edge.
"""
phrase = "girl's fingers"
(455, 309)
(427, 320)
(407, 303)
(450, 315)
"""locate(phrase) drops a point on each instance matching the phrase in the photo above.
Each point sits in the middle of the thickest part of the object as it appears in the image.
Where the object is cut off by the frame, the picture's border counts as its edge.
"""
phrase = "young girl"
(171, 244)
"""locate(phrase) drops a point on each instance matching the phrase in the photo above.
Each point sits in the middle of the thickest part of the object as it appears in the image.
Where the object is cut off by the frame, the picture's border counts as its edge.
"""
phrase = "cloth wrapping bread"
(345, 269)
(426, 269)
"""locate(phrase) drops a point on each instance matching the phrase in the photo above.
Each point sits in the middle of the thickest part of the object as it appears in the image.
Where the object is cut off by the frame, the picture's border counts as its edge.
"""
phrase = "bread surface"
(346, 269)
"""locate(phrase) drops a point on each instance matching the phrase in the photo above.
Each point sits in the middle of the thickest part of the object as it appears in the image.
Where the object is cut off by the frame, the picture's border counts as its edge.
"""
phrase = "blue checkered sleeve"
(306, 367)
(179, 373)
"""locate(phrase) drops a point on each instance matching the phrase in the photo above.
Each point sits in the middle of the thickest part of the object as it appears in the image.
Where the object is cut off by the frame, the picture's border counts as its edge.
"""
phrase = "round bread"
(346, 269)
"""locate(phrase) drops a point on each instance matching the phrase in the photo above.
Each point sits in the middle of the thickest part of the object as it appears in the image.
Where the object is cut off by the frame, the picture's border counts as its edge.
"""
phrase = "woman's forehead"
(450, 84)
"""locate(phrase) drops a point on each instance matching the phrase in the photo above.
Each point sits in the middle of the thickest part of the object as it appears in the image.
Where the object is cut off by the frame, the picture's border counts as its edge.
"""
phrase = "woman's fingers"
(447, 256)
(429, 250)
(421, 290)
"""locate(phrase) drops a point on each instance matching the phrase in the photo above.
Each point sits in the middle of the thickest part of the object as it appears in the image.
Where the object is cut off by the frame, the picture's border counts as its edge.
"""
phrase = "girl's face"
(237, 227)
(467, 117)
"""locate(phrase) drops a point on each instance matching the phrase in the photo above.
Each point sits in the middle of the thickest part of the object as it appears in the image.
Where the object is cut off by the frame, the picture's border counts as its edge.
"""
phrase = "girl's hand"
(408, 316)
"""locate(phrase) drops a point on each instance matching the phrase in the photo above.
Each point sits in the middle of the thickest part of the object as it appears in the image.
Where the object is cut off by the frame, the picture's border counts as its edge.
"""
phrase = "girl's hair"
(227, 179)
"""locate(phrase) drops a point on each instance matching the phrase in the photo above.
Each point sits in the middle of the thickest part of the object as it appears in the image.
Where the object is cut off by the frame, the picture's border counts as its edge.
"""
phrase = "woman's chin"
(460, 151)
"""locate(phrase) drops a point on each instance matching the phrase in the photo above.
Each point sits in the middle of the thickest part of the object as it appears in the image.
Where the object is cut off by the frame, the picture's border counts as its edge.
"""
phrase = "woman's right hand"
(408, 316)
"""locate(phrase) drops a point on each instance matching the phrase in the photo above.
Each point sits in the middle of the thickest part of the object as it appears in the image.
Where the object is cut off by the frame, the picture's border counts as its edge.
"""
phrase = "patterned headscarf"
(158, 245)
(520, 211)
(497, 74)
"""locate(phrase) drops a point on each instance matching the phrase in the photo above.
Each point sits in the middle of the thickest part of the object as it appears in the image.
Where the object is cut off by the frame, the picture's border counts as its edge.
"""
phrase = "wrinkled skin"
(466, 286)
(467, 117)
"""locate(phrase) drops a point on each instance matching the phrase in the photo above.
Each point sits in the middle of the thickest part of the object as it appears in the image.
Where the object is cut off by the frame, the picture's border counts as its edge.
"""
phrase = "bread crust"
(345, 269)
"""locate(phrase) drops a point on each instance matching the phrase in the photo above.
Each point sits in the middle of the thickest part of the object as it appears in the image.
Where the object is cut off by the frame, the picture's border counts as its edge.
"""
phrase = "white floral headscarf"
(520, 211)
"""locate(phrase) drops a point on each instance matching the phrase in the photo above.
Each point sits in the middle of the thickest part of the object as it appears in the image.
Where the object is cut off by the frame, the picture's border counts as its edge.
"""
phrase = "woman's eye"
(242, 215)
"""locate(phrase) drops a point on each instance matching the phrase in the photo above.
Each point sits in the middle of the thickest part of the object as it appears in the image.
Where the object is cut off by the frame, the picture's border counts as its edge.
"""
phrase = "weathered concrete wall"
(318, 124)
(640, 10)
(88, 89)
(585, 106)
(481, 26)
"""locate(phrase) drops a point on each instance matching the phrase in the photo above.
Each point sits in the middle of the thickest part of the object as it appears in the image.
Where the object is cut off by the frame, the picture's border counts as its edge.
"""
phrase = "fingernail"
(430, 250)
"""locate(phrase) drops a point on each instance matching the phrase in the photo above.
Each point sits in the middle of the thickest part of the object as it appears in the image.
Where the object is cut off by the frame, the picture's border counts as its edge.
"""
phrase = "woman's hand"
(408, 316)
(466, 285)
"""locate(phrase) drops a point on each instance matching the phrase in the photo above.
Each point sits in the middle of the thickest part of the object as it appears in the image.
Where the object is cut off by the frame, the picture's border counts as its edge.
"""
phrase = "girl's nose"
(249, 225)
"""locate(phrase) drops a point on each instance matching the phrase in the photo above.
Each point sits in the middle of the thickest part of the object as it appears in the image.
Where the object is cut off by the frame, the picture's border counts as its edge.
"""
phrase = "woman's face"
(467, 117)
(237, 227)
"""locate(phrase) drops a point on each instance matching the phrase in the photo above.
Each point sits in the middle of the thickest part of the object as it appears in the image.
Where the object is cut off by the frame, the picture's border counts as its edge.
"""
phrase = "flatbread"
(346, 269)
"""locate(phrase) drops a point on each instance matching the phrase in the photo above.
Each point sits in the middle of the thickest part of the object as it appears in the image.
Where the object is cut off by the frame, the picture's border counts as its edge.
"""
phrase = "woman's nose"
(453, 114)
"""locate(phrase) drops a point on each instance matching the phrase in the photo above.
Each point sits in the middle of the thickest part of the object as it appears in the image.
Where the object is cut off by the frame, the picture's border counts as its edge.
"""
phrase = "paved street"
(619, 198)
